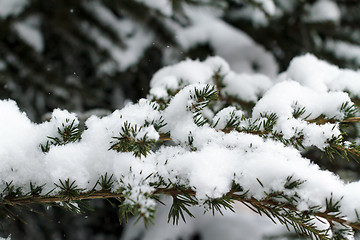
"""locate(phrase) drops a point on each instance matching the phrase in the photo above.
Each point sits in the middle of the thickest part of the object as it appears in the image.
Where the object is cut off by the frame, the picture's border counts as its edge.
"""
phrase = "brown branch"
(349, 150)
(54, 199)
(83, 196)
(265, 203)
(351, 120)
(330, 218)
(320, 121)
(165, 137)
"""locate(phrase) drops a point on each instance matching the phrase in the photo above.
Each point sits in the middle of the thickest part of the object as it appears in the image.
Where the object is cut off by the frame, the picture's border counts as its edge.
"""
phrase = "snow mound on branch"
(286, 97)
(324, 10)
(222, 158)
(247, 87)
(179, 75)
(83, 161)
(321, 76)
(21, 157)
(224, 115)
(199, 157)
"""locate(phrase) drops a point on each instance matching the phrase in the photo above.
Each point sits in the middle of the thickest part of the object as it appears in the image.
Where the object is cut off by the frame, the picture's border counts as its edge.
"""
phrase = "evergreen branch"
(201, 99)
(351, 120)
(262, 205)
(180, 205)
(165, 137)
(69, 133)
(130, 142)
(322, 120)
(218, 79)
(59, 198)
(347, 109)
(352, 151)
(334, 148)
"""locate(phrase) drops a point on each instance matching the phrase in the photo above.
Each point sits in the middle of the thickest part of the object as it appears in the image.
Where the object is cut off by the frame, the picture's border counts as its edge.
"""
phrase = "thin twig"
(265, 203)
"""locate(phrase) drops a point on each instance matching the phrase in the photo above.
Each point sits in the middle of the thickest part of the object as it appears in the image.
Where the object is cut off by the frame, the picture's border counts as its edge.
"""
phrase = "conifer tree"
(207, 133)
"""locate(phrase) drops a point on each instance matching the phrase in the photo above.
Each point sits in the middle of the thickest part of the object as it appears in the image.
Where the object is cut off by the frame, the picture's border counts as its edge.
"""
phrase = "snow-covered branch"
(188, 141)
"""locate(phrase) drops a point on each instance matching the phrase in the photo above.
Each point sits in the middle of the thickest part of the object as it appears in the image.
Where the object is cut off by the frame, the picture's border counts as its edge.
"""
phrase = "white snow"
(214, 160)
(252, 14)
(164, 6)
(286, 5)
(29, 31)
(281, 99)
(223, 116)
(2, 65)
(287, 96)
(177, 76)
(11, 7)
(344, 50)
(324, 10)
(248, 87)
(217, 158)
(235, 46)
(321, 76)
(135, 39)
(267, 5)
